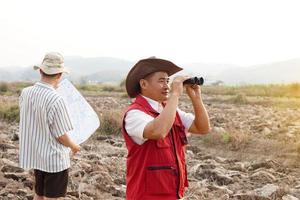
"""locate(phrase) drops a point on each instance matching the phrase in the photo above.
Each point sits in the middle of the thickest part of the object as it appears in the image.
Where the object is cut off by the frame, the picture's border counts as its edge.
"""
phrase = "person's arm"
(160, 126)
(61, 124)
(66, 141)
(201, 124)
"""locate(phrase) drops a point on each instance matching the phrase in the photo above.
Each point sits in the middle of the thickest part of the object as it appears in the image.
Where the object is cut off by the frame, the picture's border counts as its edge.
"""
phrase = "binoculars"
(194, 81)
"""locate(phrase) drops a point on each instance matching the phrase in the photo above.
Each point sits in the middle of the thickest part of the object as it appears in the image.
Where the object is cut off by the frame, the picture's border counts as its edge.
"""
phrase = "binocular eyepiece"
(194, 81)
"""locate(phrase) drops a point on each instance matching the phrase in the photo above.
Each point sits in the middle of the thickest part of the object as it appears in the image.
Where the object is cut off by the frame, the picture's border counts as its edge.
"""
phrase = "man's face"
(156, 86)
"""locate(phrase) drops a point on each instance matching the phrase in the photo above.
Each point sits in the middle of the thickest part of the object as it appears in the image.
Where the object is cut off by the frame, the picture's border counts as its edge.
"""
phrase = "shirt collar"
(46, 85)
(154, 104)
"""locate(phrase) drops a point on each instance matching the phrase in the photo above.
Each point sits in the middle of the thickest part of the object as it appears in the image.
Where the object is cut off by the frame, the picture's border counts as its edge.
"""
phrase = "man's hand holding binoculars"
(177, 85)
(192, 86)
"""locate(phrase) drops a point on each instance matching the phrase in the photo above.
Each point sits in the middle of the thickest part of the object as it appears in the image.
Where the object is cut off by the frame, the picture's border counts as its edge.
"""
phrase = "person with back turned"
(155, 130)
(44, 127)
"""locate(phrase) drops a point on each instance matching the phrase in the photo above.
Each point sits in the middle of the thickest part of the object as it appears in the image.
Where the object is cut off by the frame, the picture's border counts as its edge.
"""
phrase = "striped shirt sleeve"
(61, 122)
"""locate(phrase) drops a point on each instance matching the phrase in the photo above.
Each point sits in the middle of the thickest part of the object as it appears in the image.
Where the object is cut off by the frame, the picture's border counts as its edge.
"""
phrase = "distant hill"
(105, 69)
(279, 72)
(210, 72)
(99, 69)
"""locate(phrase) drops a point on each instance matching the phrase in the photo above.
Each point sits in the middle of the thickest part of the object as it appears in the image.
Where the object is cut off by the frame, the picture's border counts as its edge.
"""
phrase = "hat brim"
(145, 67)
(52, 71)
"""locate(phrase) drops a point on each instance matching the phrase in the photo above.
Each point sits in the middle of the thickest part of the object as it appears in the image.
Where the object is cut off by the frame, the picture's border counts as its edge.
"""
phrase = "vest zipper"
(160, 168)
(178, 173)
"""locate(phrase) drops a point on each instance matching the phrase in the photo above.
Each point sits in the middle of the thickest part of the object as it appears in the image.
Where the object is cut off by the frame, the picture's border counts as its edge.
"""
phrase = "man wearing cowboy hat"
(155, 130)
(44, 127)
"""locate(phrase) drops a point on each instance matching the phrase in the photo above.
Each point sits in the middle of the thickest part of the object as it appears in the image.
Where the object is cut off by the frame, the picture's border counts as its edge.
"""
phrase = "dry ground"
(252, 152)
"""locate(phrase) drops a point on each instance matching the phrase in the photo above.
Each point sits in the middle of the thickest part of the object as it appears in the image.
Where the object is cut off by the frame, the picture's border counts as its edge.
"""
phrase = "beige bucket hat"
(53, 63)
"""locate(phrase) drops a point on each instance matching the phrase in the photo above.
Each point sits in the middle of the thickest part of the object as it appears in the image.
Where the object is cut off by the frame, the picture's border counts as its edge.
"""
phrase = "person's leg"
(39, 185)
(56, 185)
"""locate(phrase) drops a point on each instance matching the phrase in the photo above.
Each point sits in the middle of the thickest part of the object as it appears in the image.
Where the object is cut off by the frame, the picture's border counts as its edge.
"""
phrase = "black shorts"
(51, 185)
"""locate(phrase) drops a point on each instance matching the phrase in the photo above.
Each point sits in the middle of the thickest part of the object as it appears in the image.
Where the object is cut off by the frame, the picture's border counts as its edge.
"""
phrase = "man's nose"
(166, 86)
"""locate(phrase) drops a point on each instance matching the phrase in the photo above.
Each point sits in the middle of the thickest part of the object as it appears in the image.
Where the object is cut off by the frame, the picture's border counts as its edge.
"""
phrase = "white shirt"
(136, 120)
(43, 118)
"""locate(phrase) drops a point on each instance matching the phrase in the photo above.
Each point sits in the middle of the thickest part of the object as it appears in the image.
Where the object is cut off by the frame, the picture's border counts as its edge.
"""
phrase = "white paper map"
(84, 119)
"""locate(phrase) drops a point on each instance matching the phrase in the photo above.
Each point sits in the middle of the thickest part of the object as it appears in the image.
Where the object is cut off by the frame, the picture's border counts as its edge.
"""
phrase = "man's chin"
(165, 97)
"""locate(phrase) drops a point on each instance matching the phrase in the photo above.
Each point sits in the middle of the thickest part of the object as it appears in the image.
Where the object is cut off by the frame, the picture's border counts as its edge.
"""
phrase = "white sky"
(241, 32)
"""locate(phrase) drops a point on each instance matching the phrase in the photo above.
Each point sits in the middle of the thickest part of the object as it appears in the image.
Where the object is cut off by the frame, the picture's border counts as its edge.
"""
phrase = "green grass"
(226, 137)
(13, 88)
(270, 90)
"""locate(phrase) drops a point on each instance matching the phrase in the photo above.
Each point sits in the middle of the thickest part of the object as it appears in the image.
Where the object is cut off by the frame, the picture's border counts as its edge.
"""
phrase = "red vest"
(156, 170)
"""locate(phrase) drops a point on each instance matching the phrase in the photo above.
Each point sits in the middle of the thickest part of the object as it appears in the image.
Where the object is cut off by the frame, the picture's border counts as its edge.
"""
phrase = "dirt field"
(252, 151)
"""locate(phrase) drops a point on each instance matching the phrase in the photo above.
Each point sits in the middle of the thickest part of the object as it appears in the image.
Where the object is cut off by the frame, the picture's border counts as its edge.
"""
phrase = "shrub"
(99, 87)
(3, 87)
(124, 95)
(232, 139)
(240, 99)
(10, 113)
(86, 87)
(294, 88)
(110, 88)
(13, 88)
(226, 138)
(238, 140)
(111, 122)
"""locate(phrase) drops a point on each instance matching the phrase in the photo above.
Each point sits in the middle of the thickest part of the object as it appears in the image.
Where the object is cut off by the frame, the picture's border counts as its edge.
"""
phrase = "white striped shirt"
(43, 118)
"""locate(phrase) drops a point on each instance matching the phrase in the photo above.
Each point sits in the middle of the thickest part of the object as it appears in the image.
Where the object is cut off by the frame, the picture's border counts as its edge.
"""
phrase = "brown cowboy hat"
(145, 67)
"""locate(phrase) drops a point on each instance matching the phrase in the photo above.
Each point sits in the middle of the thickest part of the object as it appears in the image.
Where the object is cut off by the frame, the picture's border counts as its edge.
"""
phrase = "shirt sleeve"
(135, 122)
(61, 122)
(186, 118)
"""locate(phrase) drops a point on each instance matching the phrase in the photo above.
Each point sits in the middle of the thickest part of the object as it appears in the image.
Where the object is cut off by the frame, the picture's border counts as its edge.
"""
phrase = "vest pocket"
(163, 143)
(161, 180)
(181, 131)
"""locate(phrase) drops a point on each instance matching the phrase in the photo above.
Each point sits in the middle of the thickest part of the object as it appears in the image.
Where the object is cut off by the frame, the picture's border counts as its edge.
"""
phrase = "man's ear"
(143, 83)
(58, 76)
